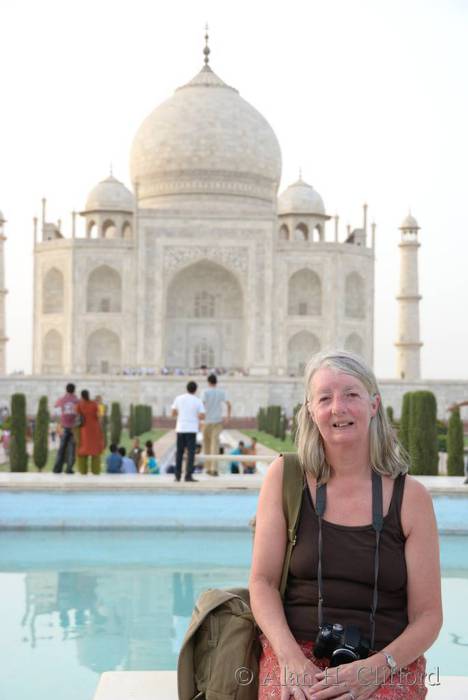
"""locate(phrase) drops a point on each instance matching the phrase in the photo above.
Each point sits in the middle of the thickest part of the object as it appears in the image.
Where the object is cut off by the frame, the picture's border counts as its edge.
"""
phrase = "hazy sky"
(369, 97)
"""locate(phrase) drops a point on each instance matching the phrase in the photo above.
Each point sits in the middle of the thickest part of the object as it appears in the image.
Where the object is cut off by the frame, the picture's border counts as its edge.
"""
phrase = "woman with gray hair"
(362, 602)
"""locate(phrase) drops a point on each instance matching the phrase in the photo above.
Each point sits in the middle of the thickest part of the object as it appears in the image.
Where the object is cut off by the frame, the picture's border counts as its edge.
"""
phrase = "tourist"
(189, 410)
(114, 460)
(239, 450)
(128, 465)
(149, 463)
(6, 439)
(135, 453)
(145, 454)
(68, 416)
(91, 440)
(213, 399)
(348, 455)
(250, 467)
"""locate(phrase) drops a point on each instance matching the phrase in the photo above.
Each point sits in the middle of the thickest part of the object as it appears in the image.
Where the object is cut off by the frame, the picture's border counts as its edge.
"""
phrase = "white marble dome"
(300, 198)
(205, 139)
(110, 195)
(409, 222)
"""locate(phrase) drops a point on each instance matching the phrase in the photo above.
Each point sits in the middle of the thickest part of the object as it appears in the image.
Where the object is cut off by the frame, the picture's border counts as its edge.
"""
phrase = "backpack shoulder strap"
(293, 486)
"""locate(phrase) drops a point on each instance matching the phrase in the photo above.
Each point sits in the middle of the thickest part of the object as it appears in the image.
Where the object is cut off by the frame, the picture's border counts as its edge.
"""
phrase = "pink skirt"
(408, 684)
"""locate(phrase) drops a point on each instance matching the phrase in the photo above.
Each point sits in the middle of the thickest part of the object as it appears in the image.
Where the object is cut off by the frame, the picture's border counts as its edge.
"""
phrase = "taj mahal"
(205, 264)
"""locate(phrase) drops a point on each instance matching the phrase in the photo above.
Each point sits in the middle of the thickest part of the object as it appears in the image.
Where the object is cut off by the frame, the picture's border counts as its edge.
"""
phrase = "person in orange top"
(91, 442)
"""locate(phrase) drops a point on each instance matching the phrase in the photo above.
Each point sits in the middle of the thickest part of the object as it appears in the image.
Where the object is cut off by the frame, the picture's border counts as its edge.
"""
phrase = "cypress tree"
(390, 415)
(455, 445)
(283, 427)
(277, 423)
(403, 433)
(41, 434)
(423, 434)
(261, 419)
(115, 423)
(131, 422)
(294, 426)
(18, 453)
(138, 420)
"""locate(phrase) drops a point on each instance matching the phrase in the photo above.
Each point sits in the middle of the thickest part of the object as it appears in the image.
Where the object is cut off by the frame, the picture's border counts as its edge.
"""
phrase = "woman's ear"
(375, 403)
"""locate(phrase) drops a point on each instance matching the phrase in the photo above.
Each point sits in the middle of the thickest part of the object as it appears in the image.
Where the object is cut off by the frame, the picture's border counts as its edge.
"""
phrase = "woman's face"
(341, 407)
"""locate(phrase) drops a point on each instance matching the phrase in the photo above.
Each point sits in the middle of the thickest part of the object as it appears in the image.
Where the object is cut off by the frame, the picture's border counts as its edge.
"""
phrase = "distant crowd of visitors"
(82, 436)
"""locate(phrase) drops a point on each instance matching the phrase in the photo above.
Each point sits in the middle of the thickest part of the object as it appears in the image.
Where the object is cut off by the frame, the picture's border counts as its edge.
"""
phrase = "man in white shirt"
(189, 410)
(213, 400)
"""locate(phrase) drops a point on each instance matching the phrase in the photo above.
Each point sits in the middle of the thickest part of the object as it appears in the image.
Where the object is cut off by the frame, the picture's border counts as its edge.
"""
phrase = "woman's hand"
(297, 677)
(355, 681)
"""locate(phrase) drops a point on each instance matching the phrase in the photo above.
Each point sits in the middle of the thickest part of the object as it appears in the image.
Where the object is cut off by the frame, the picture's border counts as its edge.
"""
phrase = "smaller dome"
(110, 195)
(300, 198)
(409, 222)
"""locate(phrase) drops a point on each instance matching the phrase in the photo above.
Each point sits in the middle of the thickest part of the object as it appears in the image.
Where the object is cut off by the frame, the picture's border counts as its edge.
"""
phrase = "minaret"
(3, 293)
(408, 344)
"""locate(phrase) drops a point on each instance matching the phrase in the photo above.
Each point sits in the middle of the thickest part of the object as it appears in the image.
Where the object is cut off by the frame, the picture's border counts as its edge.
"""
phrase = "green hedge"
(18, 453)
(115, 423)
(423, 447)
(455, 445)
(403, 433)
(41, 434)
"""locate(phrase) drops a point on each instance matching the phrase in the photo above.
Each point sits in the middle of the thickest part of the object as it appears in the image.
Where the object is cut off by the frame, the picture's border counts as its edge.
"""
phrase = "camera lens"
(343, 656)
(338, 628)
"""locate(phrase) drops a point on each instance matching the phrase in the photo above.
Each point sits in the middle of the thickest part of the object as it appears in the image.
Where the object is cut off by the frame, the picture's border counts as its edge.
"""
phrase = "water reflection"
(128, 619)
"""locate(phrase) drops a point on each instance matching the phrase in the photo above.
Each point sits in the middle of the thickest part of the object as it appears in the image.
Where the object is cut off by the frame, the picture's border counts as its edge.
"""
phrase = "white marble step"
(162, 685)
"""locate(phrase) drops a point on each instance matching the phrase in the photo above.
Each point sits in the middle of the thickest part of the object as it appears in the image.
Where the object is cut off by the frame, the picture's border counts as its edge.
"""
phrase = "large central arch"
(204, 321)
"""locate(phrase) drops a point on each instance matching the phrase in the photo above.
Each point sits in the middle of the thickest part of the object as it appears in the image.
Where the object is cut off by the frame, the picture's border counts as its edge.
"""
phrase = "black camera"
(342, 645)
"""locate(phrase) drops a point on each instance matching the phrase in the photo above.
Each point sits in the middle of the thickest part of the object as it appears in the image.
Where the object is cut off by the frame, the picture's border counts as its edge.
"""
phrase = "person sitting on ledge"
(362, 601)
(114, 460)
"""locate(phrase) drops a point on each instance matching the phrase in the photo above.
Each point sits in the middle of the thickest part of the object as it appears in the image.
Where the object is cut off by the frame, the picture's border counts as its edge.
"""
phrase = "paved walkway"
(47, 481)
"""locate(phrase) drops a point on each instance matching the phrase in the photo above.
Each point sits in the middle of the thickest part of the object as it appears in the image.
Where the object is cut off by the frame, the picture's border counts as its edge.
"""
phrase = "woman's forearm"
(415, 639)
(267, 608)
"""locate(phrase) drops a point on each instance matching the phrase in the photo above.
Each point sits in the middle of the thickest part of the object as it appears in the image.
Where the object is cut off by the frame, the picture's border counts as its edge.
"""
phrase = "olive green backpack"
(219, 656)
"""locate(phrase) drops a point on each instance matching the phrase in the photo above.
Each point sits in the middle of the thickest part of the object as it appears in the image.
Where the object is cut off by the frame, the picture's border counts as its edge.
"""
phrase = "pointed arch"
(52, 292)
(301, 347)
(304, 294)
(127, 230)
(355, 296)
(109, 229)
(92, 230)
(104, 290)
(301, 232)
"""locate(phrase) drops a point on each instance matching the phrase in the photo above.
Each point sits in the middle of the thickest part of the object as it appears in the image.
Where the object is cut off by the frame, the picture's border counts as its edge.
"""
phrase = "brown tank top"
(348, 574)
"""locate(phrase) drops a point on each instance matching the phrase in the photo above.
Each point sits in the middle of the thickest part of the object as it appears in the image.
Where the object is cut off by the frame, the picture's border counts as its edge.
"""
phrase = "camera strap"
(377, 524)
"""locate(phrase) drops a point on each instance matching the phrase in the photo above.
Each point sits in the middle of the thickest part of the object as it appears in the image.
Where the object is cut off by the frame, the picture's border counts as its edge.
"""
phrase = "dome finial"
(110, 170)
(206, 50)
(300, 174)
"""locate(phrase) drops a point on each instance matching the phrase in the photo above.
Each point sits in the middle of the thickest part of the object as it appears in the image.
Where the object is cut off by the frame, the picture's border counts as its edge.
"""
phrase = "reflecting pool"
(76, 603)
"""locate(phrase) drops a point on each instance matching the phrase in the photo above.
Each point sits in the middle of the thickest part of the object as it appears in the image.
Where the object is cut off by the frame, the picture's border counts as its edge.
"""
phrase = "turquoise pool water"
(76, 603)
